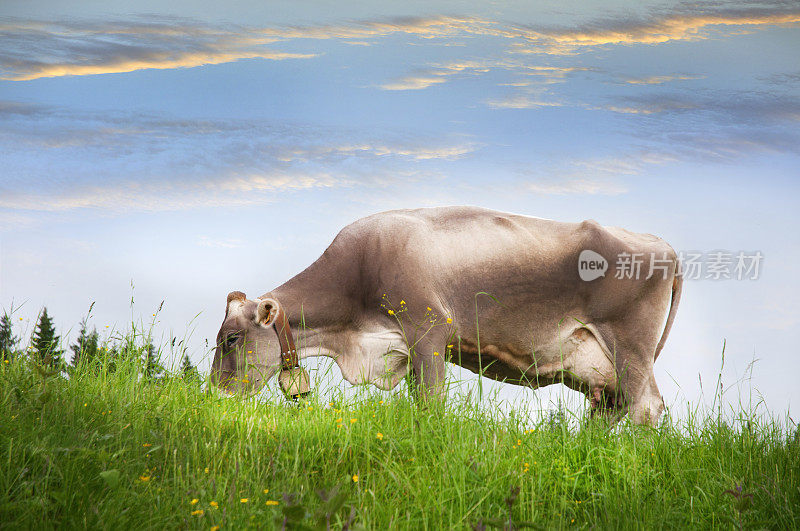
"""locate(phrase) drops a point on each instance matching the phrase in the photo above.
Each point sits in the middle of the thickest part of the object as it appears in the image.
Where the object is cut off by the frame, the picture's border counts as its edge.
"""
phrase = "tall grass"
(109, 449)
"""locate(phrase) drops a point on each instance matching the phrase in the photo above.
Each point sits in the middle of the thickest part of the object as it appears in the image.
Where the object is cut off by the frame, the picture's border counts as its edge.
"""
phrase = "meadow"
(110, 449)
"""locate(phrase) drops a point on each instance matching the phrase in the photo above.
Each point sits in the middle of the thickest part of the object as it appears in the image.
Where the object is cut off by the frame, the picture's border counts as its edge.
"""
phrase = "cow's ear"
(266, 312)
(234, 296)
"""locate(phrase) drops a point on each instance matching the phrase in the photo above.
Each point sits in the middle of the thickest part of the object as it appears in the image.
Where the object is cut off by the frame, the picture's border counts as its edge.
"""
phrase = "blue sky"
(164, 146)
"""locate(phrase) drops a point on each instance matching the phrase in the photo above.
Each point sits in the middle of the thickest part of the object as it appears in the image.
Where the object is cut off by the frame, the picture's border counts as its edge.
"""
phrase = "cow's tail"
(677, 286)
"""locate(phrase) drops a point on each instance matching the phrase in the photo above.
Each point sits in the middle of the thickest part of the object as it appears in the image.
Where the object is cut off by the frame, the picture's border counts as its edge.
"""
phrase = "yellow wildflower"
(429, 309)
(213, 504)
(206, 470)
(435, 353)
(147, 445)
(380, 401)
(271, 502)
(353, 421)
(266, 491)
(215, 528)
(449, 320)
(245, 380)
(144, 478)
(198, 512)
(339, 420)
(355, 478)
(244, 500)
(194, 501)
(379, 435)
(402, 302)
(391, 312)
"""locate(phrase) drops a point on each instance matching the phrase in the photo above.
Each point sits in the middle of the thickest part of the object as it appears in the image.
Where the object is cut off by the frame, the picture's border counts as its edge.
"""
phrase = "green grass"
(110, 450)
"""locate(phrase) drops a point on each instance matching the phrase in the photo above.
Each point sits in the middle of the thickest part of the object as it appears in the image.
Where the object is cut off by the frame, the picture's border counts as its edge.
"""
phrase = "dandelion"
(244, 500)
(391, 312)
(198, 512)
(355, 478)
(144, 478)
(271, 502)
(214, 504)
(379, 435)
(194, 501)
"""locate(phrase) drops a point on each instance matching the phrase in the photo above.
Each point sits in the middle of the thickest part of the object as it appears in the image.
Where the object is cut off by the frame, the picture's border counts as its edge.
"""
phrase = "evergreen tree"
(8, 342)
(189, 371)
(152, 370)
(86, 348)
(46, 343)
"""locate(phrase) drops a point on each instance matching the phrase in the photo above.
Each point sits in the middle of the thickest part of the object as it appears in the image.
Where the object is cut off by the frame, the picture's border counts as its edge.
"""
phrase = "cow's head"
(247, 353)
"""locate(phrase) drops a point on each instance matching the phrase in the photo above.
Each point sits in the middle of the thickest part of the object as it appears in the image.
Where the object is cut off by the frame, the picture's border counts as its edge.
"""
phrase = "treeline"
(88, 352)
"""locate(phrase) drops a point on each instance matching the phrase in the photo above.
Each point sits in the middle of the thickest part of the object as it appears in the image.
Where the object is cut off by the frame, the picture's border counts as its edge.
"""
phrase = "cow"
(519, 299)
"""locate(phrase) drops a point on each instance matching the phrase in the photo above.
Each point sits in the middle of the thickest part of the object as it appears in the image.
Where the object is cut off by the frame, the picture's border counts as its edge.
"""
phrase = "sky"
(179, 151)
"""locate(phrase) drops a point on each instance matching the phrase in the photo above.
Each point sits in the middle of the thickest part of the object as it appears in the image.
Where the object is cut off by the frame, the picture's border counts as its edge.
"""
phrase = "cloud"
(224, 243)
(166, 195)
(153, 163)
(658, 80)
(521, 101)
(413, 82)
(595, 176)
(34, 50)
(693, 23)
(576, 186)
(440, 73)
(713, 126)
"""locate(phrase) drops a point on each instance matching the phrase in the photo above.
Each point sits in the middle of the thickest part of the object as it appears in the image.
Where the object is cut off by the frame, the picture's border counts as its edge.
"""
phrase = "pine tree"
(189, 371)
(86, 347)
(152, 370)
(46, 343)
(8, 342)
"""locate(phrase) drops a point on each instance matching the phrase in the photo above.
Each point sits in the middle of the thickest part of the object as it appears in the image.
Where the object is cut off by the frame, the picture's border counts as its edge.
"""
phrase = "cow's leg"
(633, 345)
(428, 370)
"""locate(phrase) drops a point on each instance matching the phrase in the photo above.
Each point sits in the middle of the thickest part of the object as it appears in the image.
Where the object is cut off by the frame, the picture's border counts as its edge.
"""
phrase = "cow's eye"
(231, 340)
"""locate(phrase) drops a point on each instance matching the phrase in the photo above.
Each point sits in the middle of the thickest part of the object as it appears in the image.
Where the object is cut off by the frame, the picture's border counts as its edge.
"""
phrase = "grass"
(107, 449)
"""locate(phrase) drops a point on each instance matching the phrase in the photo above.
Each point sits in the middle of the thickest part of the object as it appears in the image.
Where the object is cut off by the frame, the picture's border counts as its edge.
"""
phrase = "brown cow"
(521, 299)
